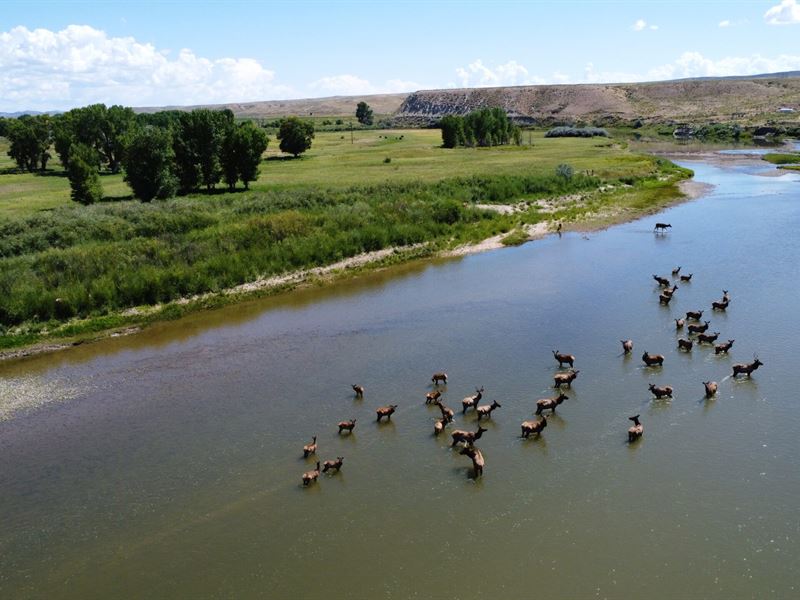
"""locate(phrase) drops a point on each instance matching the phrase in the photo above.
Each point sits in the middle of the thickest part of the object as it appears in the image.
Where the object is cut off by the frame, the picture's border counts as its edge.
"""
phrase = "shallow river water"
(168, 464)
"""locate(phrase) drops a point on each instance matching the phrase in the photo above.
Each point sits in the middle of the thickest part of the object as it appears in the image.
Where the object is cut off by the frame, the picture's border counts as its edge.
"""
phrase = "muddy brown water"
(168, 464)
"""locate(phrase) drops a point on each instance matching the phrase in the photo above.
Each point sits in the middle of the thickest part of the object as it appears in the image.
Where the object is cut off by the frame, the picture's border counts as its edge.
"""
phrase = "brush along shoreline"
(133, 320)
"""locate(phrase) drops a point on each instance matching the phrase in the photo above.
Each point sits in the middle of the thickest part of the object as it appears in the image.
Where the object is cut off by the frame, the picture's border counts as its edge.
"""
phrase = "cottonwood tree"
(364, 113)
(84, 179)
(241, 153)
(295, 135)
(149, 163)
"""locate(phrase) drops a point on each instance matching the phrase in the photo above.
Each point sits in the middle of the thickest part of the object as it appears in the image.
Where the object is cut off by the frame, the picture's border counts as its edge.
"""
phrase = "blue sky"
(60, 54)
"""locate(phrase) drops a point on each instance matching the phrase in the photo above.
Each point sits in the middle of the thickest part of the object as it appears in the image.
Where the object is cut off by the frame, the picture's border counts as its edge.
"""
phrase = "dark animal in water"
(386, 411)
(663, 281)
(564, 378)
(748, 368)
(652, 360)
(699, 328)
(311, 448)
(550, 403)
(627, 346)
(564, 358)
(359, 390)
(664, 299)
(676, 271)
(447, 413)
(333, 464)
(529, 427)
(711, 388)
(486, 409)
(437, 377)
(347, 426)
(477, 459)
(660, 392)
(707, 338)
(471, 401)
(721, 305)
(723, 348)
(687, 278)
(679, 323)
(432, 396)
(694, 315)
(685, 344)
(311, 476)
(636, 430)
(468, 437)
(662, 226)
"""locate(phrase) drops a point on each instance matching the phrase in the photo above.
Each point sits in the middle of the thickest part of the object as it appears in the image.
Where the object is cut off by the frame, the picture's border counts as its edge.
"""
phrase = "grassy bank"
(69, 271)
(782, 158)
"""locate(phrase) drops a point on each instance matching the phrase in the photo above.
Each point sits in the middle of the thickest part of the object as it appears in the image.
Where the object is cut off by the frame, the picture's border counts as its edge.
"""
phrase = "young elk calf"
(652, 360)
(694, 315)
(711, 388)
(627, 346)
(636, 430)
(359, 390)
(333, 464)
(437, 377)
(748, 368)
(468, 437)
(550, 403)
(661, 392)
(564, 378)
(723, 348)
(699, 328)
(311, 476)
(685, 344)
(347, 426)
(707, 338)
(311, 448)
(386, 411)
(529, 427)
(486, 409)
(471, 401)
(432, 397)
(564, 359)
(687, 278)
(477, 459)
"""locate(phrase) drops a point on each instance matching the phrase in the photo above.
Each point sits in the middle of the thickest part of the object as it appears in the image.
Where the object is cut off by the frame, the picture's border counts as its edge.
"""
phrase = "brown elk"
(711, 388)
(471, 401)
(707, 338)
(627, 346)
(687, 278)
(662, 227)
(432, 396)
(748, 368)
(664, 299)
(685, 344)
(333, 464)
(560, 379)
(437, 377)
(311, 448)
(447, 413)
(386, 411)
(721, 305)
(699, 328)
(477, 459)
(670, 291)
(359, 390)
(662, 281)
(676, 271)
(468, 437)
(661, 392)
(550, 403)
(679, 323)
(486, 409)
(529, 427)
(311, 476)
(723, 348)
(636, 430)
(564, 358)
(652, 360)
(439, 425)
(347, 426)
(694, 315)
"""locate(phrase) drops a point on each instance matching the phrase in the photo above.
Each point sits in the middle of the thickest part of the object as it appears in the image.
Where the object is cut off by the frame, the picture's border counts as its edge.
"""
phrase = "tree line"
(484, 127)
(162, 154)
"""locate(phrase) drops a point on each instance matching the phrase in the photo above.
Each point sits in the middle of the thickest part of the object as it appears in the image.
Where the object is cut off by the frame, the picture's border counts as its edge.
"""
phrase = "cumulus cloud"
(785, 13)
(352, 85)
(477, 74)
(725, 23)
(42, 69)
(641, 25)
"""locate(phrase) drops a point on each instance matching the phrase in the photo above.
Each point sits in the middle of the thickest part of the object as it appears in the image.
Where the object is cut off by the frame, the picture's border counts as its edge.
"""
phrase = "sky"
(56, 55)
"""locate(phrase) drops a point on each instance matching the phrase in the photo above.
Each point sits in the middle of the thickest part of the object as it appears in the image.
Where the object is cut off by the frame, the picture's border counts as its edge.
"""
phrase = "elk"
(564, 358)
(529, 427)
(707, 338)
(486, 409)
(685, 344)
(468, 437)
(471, 401)
(439, 425)
(664, 299)
(723, 348)
(699, 328)
(447, 413)
(669, 291)
(694, 315)
(311, 476)
(477, 459)
(721, 305)
(627, 346)
(652, 360)
(386, 411)
(679, 323)
(747, 368)
(662, 280)
(662, 227)
(687, 278)
(636, 430)
(676, 271)
(432, 397)
(359, 390)
(347, 426)
(711, 388)
(725, 295)
(660, 392)
(564, 378)
(437, 377)
(333, 464)
(311, 448)
(550, 403)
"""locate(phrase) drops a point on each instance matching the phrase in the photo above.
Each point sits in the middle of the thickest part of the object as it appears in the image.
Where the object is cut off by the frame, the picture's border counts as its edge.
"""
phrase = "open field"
(70, 271)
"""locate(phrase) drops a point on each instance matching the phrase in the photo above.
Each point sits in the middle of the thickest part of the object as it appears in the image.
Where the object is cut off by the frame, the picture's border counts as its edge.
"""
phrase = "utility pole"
(351, 132)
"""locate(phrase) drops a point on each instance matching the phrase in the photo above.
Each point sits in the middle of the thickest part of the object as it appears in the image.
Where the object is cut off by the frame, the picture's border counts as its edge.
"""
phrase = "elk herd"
(466, 438)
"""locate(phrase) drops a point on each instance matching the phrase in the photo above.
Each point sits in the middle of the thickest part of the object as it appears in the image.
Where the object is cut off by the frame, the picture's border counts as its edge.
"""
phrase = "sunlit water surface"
(168, 464)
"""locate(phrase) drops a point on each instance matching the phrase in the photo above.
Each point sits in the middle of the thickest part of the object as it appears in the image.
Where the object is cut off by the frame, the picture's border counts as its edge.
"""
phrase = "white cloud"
(725, 23)
(641, 25)
(785, 13)
(476, 74)
(42, 69)
(352, 85)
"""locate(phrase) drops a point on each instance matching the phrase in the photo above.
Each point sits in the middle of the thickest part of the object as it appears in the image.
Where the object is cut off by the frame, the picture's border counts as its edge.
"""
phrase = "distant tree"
(364, 113)
(295, 135)
(241, 153)
(452, 131)
(119, 120)
(84, 180)
(149, 163)
(30, 138)
(3, 126)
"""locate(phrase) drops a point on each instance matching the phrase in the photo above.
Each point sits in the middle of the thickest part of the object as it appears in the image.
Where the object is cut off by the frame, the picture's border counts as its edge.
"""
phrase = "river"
(168, 464)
